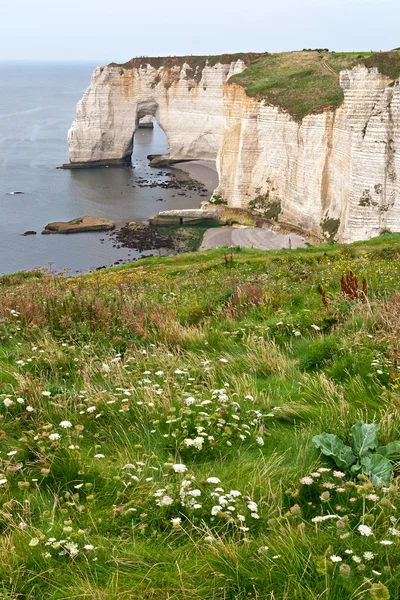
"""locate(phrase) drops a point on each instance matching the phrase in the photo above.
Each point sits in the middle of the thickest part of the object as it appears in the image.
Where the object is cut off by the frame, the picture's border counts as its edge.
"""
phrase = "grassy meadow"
(157, 423)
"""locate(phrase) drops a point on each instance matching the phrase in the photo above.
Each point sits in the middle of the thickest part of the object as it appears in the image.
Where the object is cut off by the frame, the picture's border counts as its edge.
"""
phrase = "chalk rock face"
(335, 174)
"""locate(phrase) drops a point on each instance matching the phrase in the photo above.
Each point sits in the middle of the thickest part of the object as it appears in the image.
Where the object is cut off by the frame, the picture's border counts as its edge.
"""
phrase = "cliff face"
(335, 173)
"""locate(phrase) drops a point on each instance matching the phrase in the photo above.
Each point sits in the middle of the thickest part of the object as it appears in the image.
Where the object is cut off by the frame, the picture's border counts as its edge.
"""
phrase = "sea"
(37, 107)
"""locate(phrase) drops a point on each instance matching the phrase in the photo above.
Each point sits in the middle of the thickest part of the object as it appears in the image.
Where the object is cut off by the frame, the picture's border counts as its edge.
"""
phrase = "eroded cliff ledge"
(311, 138)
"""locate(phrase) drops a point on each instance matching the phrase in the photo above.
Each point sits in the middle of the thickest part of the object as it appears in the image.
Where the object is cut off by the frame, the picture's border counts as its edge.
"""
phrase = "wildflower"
(372, 497)
(235, 494)
(30, 409)
(386, 543)
(252, 506)
(262, 549)
(196, 443)
(34, 542)
(394, 531)
(344, 569)
(105, 368)
(322, 518)
(316, 327)
(335, 559)
(255, 515)
(65, 424)
(91, 409)
(376, 572)
(213, 480)
(260, 441)
(176, 522)
(307, 480)
(72, 548)
(46, 393)
(194, 493)
(3, 481)
(166, 501)
(20, 401)
(338, 474)
(365, 530)
(179, 468)
(215, 510)
(368, 555)
(8, 402)
(88, 547)
(54, 436)
(99, 456)
(189, 401)
(356, 558)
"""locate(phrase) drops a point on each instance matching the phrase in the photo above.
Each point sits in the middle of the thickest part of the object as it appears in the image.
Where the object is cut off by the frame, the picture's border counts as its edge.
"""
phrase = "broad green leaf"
(378, 468)
(391, 451)
(332, 445)
(364, 437)
(355, 468)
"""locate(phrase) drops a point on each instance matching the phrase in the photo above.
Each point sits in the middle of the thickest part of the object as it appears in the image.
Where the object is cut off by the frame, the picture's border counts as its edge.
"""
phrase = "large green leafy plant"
(364, 455)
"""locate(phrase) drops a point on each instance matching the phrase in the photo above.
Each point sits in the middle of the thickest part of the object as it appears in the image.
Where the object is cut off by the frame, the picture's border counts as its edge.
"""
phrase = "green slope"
(226, 362)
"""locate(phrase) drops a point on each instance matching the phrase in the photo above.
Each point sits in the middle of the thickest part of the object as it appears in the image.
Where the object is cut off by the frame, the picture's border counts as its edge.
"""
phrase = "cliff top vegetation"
(157, 423)
(308, 82)
(299, 82)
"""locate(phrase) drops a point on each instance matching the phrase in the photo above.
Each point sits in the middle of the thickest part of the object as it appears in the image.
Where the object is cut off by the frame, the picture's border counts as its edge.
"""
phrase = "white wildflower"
(335, 558)
(65, 424)
(72, 548)
(213, 480)
(179, 468)
(307, 480)
(215, 510)
(176, 522)
(166, 501)
(34, 542)
(365, 530)
(54, 436)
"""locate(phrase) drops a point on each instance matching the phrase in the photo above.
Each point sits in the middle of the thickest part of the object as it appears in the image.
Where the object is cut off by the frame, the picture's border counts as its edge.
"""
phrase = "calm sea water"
(37, 107)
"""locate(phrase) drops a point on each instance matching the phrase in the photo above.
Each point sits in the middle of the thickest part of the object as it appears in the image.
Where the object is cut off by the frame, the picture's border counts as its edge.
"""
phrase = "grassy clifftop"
(157, 422)
(308, 81)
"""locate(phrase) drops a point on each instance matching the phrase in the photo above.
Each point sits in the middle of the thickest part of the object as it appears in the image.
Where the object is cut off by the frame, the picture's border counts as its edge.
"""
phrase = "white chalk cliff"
(340, 167)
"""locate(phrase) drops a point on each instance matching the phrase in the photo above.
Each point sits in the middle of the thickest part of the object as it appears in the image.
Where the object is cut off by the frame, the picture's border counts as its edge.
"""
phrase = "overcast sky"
(102, 31)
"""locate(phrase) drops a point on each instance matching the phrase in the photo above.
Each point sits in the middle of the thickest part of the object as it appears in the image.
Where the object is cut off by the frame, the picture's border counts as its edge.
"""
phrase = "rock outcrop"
(334, 174)
(146, 122)
(79, 225)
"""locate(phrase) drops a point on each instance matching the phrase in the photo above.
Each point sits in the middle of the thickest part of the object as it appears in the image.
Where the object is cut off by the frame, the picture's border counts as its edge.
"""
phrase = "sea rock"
(335, 174)
(79, 225)
(146, 122)
(30, 232)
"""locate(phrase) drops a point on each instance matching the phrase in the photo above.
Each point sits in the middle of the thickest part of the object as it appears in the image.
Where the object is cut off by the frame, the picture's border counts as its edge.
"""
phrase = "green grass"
(227, 362)
(307, 82)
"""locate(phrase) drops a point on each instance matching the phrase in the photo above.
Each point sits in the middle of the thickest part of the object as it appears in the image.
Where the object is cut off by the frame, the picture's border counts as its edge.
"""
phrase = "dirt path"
(250, 237)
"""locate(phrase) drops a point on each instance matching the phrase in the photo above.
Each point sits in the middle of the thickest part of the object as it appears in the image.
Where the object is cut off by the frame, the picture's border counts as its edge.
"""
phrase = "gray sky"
(104, 30)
